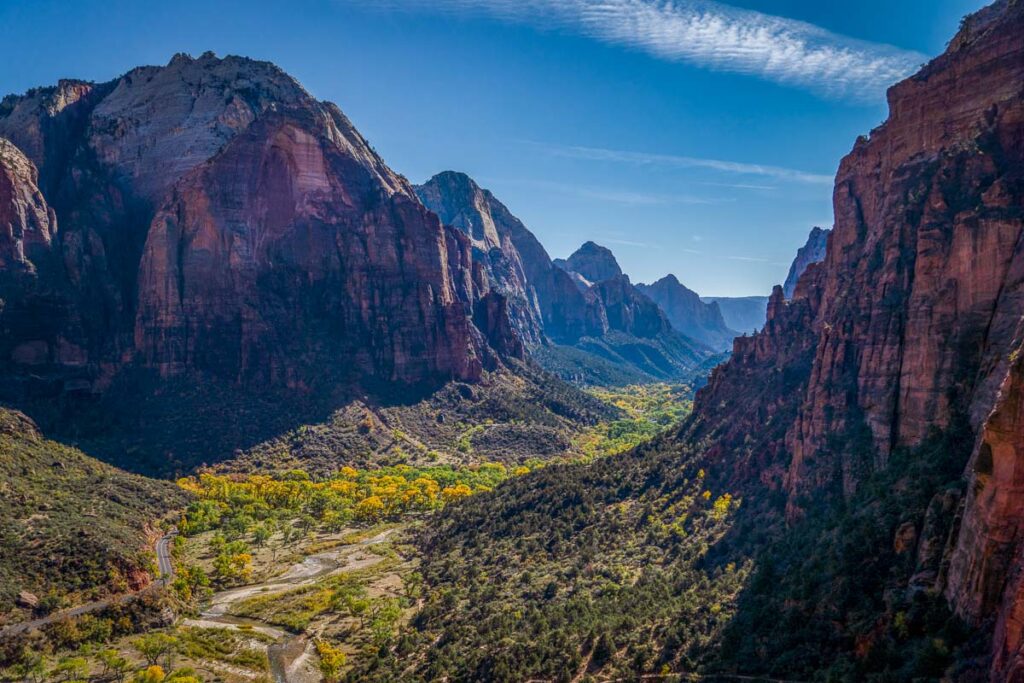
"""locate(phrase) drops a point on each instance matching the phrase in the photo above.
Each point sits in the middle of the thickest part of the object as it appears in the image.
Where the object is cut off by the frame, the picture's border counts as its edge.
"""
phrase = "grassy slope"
(69, 523)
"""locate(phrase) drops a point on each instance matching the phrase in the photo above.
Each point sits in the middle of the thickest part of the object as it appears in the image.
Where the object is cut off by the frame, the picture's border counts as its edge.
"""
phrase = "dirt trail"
(291, 656)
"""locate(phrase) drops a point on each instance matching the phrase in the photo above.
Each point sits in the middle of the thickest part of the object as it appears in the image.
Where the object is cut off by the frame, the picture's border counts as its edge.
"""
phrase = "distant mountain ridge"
(813, 251)
(745, 314)
(602, 329)
(688, 314)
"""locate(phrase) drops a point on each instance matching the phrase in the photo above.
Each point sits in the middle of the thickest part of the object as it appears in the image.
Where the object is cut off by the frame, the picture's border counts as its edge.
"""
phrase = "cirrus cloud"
(711, 35)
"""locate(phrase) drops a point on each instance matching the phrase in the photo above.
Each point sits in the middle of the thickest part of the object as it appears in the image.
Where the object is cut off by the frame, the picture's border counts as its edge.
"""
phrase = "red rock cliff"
(913, 318)
(217, 219)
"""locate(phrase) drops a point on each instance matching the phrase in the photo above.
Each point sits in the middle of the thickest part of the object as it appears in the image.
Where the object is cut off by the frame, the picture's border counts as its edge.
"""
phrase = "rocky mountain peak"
(27, 224)
(218, 221)
(460, 202)
(594, 262)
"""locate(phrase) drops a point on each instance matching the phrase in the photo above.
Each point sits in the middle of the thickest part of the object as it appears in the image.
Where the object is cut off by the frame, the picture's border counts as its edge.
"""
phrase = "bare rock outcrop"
(688, 314)
(27, 223)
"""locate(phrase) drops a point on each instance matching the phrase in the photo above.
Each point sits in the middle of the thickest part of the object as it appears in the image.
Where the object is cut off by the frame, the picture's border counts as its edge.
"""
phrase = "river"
(291, 656)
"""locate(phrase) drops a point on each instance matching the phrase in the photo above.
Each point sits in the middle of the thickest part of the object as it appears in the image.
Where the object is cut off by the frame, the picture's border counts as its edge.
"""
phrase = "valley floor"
(280, 576)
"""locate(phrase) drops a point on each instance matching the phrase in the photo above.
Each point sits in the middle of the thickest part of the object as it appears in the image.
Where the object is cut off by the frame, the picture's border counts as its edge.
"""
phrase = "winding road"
(164, 564)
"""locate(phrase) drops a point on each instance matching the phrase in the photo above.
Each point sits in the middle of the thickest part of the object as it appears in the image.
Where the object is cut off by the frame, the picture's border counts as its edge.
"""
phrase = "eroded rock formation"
(910, 324)
(27, 223)
(592, 262)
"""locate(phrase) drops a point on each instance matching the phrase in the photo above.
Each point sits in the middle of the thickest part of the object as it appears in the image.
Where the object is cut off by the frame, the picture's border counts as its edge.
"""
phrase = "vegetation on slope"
(619, 359)
(247, 528)
(172, 431)
(71, 528)
(642, 565)
(507, 418)
(843, 595)
(571, 570)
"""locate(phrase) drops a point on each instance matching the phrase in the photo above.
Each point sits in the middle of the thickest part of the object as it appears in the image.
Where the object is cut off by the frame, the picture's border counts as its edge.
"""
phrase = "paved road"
(163, 557)
(166, 567)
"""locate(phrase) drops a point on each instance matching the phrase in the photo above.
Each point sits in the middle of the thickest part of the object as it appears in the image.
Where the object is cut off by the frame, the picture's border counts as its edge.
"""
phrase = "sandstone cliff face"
(921, 298)
(911, 321)
(688, 314)
(461, 203)
(286, 251)
(617, 334)
(27, 223)
(813, 251)
(216, 219)
(627, 310)
(543, 300)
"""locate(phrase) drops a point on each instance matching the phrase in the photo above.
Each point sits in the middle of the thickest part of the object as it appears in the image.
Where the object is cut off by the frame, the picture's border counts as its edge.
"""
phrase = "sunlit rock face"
(593, 262)
(27, 224)
(911, 322)
(217, 219)
(495, 236)
(813, 251)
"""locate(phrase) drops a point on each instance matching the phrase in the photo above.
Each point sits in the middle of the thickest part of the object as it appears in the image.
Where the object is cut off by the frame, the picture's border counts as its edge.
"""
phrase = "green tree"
(70, 669)
(114, 665)
(386, 613)
(153, 646)
(261, 533)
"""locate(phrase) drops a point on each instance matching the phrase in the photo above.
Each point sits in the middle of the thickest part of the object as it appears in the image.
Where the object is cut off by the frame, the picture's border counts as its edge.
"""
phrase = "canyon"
(843, 502)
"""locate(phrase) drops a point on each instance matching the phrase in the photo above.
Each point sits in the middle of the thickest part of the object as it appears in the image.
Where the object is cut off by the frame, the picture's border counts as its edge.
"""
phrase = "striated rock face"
(461, 203)
(627, 310)
(27, 223)
(543, 299)
(217, 220)
(985, 570)
(593, 262)
(813, 251)
(292, 247)
(922, 294)
(911, 323)
(689, 314)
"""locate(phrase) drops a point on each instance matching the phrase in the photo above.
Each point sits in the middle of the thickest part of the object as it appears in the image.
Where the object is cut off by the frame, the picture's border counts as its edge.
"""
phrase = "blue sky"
(691, 137)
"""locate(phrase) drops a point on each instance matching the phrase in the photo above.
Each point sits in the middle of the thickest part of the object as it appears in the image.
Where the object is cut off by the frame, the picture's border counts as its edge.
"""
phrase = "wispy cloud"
(627, 243)
(743, 186)
(712, 35)
(614, 196)
(671, 160)
(749, 259)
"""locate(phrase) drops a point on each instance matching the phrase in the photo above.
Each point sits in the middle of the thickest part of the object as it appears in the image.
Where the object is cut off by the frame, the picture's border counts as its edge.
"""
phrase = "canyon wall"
(910, 325)
(217, 220)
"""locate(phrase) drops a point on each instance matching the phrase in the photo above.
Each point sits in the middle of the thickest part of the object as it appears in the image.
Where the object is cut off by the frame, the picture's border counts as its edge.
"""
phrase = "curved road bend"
(164, 564)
